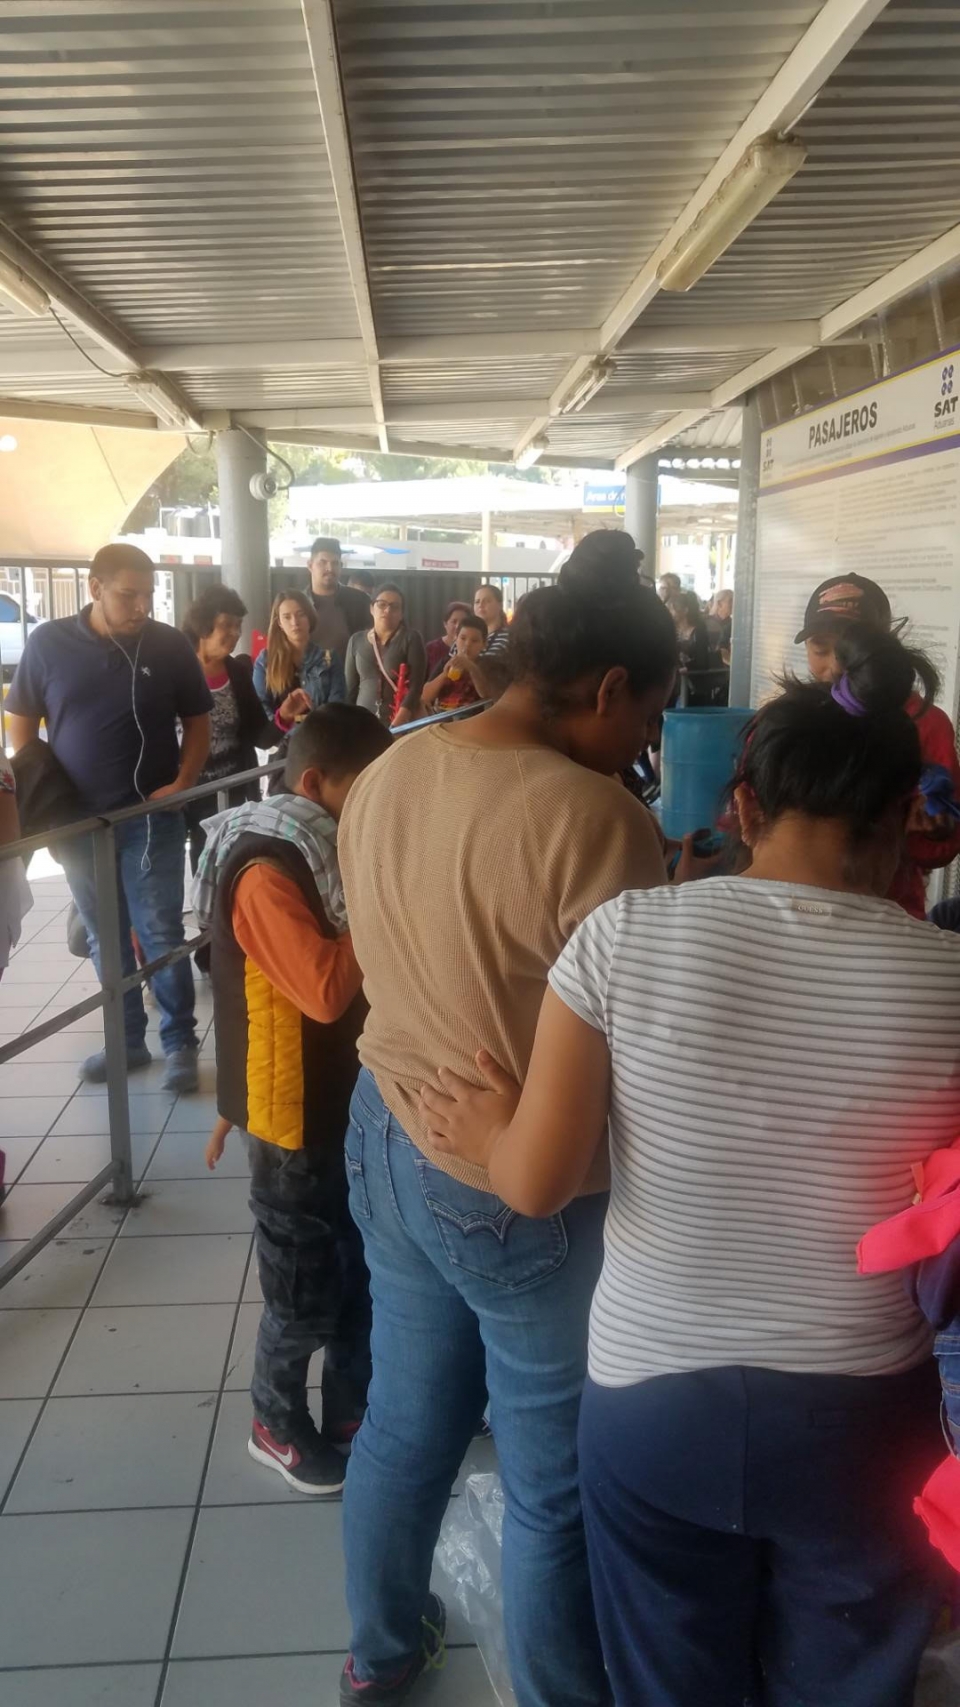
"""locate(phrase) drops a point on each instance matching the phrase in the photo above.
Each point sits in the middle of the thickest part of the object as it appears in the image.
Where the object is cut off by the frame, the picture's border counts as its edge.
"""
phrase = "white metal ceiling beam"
(411, 447)
(322, 43)
(535, 342)
(834, 31)
(437, 410)
(76, 415)
(943, 252)
(97, 326)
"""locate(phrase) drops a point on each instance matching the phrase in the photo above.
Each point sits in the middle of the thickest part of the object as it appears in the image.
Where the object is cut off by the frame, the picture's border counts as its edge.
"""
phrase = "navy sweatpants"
(752, 1540)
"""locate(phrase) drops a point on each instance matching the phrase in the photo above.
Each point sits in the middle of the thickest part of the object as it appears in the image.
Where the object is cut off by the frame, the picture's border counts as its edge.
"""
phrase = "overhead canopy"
(66, 490)
(374, 223)
(515, 506)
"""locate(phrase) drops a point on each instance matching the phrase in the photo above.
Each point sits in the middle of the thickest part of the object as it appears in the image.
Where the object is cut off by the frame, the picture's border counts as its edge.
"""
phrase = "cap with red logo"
(847, 598)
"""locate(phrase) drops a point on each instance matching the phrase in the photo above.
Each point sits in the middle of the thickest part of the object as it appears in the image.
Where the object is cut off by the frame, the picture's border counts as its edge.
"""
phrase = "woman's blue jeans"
(469, 1298)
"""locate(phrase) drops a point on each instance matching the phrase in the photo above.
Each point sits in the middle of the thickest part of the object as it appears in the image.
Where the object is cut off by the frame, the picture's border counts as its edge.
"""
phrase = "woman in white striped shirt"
(774, 1053)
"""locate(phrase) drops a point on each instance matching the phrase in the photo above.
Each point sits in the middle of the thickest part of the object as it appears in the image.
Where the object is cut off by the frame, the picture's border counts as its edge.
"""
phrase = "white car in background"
(11, 633)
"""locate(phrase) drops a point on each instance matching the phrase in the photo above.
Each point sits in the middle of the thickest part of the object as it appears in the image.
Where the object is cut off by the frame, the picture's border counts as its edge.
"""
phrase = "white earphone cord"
(133, 662)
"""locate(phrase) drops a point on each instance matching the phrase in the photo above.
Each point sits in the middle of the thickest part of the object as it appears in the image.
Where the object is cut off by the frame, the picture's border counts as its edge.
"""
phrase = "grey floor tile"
(26, 1078)
(18, 1152)
(240, 1365)
(17, 1417)
(197, 1113)
(232, 1476)
(150, 1348)
(252, 1291)
(313, 1678)
(88, 1686)
(191, 1206)
(207, 1269)
(148, 1115)
(60, 1276)
(22, 997)
(70, 1047)
(225, 1609)
(77, 1157)
(101, 1454)
(179, 1155)
(28, 1207)
(32, 1343)
(291, 1678)
(98, 1220)
(109, 1582)
(22, 1117)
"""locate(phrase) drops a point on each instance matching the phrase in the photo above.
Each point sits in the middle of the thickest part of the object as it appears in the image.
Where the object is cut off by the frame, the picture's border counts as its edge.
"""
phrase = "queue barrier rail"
(117, 1174)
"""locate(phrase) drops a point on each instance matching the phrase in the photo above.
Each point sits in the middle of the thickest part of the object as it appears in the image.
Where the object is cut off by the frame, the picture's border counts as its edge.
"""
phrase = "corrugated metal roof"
(880, 181)
(517, 162)
(520, 161)
(411, 382)
(170, 160)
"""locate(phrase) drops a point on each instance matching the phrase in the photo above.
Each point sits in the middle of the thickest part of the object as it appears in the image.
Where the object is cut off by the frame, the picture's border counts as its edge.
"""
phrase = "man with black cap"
(341, 611)
(931, 842)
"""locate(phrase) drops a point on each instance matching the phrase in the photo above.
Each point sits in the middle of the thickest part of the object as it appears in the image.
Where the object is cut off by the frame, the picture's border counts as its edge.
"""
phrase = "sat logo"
(947, 406)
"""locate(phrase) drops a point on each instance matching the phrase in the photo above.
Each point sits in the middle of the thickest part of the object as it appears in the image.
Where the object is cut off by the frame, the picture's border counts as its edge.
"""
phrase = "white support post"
(640, 508)
(244, 525)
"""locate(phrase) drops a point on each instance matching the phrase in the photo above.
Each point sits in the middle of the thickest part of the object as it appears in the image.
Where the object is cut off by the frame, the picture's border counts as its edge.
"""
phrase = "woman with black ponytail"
(846, 617)
(772, 1055)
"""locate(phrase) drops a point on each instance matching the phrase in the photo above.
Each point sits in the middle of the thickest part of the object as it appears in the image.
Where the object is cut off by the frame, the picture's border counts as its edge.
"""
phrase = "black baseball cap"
(847, 598)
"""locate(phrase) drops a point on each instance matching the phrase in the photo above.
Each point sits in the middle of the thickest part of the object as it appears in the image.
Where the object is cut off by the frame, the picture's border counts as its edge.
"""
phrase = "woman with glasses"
(386, 667)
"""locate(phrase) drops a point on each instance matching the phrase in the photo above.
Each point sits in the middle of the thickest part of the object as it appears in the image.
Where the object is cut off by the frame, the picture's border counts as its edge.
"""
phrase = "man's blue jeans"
(151, 902)
(469, 1298)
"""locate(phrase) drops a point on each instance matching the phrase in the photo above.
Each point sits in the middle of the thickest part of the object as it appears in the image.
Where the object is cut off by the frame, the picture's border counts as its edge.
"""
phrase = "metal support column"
(244, 525)
(745, 581)
(640, 508)
(114, 1031)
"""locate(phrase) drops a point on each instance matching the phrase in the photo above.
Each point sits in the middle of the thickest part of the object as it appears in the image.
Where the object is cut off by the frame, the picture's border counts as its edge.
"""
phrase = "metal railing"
(117, 1174)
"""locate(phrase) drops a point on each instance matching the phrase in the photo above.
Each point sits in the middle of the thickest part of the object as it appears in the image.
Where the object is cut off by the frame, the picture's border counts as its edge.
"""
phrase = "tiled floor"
(144, 1560)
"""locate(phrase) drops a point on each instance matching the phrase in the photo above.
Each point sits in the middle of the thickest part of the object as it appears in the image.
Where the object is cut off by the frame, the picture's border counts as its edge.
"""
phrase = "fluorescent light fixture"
(20, 291)
(768, 164)
(600, 370)
(151, 391)
(8, 442)
(531, 453)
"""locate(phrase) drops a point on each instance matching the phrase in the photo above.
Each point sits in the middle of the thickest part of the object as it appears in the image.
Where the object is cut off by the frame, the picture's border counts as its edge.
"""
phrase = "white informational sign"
(870, 484)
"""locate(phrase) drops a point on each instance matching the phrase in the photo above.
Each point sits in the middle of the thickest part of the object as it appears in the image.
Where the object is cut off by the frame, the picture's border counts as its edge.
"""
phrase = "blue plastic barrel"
(698, 759)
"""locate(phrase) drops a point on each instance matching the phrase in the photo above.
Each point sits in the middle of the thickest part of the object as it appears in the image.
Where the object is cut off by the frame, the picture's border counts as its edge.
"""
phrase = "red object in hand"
(403, 683)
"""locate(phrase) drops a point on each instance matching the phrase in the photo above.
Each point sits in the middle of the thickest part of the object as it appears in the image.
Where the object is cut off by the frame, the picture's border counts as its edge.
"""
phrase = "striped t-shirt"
(780, 1057)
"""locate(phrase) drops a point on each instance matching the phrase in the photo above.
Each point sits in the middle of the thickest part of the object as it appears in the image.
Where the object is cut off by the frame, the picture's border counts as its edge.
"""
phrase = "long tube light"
(21, 291)
(600, 370)
(150, 390)
(531, 453)
(768, 164)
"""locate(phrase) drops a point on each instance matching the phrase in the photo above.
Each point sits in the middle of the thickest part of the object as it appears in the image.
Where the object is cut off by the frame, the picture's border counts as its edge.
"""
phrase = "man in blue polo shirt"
(111, 685)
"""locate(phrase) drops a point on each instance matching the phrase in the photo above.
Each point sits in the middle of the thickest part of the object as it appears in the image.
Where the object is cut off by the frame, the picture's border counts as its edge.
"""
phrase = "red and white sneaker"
(307, 1463)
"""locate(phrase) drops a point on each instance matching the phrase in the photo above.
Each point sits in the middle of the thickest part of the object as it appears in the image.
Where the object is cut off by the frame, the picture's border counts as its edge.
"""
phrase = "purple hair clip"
(845, 697)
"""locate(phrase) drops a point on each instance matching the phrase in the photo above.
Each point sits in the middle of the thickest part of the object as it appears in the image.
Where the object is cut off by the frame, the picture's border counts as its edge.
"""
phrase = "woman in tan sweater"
(470, 854)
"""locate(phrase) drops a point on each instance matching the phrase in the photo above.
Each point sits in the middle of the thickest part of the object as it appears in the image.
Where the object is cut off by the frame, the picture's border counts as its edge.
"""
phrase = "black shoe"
(308, 1464)
(432, 1657)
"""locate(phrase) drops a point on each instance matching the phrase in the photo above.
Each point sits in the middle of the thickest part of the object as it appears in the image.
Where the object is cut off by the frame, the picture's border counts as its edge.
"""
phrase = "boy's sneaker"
(93, 1070)
(432, 1657)
(182, 1075)
(308, 1463)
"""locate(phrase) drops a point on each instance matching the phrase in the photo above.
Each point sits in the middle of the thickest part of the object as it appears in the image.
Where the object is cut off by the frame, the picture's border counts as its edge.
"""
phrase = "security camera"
(264, 486)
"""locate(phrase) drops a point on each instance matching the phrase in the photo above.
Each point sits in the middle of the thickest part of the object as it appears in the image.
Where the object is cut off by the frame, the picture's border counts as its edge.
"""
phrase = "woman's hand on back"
(463, 1119)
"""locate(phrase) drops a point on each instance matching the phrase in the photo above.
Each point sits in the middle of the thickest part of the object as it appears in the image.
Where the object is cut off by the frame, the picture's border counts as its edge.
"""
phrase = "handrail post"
(114, 1030)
